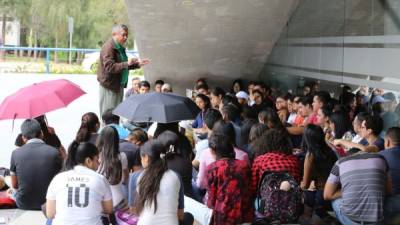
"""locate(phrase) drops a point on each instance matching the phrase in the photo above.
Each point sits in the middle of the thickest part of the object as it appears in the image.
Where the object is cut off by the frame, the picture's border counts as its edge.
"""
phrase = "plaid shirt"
(228, 184)
(274, 162)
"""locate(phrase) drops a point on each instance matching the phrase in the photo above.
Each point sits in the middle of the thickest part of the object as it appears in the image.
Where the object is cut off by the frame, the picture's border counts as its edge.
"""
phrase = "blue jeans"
(343, 218)
(392, 210)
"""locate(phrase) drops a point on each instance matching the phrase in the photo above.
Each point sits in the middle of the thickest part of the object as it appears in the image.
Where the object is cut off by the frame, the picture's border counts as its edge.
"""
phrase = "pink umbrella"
(39, 98)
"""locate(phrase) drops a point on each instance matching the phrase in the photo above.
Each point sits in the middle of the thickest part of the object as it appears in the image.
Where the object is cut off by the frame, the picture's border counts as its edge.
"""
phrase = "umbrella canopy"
(39, 98)
(157, 107)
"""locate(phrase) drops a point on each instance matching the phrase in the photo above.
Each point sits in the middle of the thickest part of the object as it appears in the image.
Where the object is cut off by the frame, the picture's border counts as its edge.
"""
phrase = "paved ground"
(21, 217)
(65, 121)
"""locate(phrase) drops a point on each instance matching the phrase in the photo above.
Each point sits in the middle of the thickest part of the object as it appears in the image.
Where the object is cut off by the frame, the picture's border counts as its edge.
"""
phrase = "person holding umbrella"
(114, 66)
(32, 167)
(49, 135)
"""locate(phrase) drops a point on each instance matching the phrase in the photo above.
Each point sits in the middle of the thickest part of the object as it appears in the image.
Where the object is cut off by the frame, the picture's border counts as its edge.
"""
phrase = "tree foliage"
(46, 22)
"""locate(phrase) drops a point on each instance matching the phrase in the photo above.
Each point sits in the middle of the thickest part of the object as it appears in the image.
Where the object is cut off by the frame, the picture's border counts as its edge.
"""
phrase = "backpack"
(278, 206)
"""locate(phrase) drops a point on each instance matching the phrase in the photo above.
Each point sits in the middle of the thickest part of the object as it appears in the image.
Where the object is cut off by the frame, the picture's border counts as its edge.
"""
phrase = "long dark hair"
(314, 142)
(149, 183)
(239, 82)
(227, 129)
(110, 163)
(245, 131)
(206, 100)
(43, 125)
(49, 138)
(170, 141)
(217, 91)
(161, 127)
(221, 145)
(89, 123)
(183, 143)
(326, 110)
(257, 131)
(271, 119)
(341, 122)
(273, 140)
(248, 112)
(323, 97)
(78, 152)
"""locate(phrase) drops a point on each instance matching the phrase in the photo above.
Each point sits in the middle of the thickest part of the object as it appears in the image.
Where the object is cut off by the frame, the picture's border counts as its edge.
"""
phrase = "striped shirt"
(362, 178)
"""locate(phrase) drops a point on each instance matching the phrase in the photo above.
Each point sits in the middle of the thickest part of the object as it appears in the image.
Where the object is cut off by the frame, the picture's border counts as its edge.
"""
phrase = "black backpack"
(276, 206)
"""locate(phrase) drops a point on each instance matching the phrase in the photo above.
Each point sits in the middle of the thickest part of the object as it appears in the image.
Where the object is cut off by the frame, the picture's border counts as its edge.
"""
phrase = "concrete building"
(280, 41)
(13, 33)
(355, 42)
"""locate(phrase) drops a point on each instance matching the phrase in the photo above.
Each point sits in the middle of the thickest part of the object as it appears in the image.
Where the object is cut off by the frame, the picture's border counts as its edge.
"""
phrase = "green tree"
(57, 22)
(46, 22)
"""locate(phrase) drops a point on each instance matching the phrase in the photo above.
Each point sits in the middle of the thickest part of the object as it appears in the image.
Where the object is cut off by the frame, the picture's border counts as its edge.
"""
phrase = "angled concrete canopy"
(218, 39)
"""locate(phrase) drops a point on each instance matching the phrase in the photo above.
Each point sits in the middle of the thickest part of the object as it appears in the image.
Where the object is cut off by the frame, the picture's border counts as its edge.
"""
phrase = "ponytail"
(149, 183)
(79, 152)
(110, 165)
(83, 133)
(89, 123)
(72, 149)
(170, 141)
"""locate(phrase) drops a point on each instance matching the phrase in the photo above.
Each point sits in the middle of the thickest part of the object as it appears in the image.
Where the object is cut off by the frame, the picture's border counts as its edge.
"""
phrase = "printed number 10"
(75, 192)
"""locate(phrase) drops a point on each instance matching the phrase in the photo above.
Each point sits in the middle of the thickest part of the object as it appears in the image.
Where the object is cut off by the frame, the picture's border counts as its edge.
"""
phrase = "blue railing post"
(48, 50)
(48, 61)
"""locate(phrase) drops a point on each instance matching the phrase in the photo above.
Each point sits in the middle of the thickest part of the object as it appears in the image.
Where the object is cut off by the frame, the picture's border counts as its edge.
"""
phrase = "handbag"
(123, 217)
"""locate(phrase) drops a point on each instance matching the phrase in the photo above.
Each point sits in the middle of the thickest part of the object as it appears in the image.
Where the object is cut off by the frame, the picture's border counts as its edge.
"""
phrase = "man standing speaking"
(114, 66)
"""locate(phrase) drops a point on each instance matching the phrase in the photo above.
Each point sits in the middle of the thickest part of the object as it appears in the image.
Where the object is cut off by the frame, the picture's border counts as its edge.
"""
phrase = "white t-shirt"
(357, 139)
(292, 118)
(118, 189)
(78, 194)
(200, 147)
(167, 202)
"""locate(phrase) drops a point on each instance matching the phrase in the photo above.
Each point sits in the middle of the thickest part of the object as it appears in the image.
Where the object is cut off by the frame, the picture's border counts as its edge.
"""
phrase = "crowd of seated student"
(324, 121)
(160, 176)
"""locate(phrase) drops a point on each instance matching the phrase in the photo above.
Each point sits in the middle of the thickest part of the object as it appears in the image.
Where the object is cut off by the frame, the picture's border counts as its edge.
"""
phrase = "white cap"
(242, 94)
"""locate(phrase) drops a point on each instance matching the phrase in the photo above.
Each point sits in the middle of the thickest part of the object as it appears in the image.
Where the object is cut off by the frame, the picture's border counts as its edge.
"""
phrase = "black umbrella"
(157, 107)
